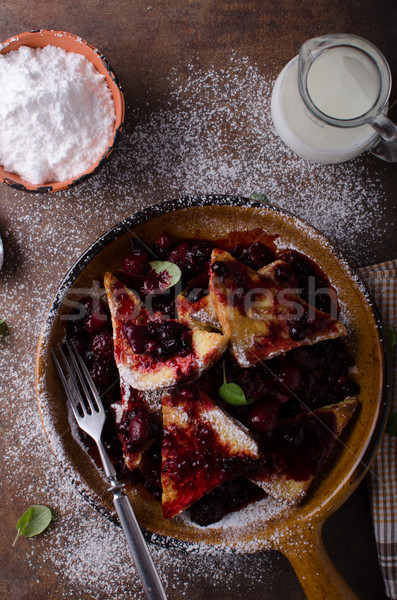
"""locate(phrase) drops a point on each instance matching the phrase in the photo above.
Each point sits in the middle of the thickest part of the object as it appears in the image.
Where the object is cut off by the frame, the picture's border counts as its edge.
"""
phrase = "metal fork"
(90, 415)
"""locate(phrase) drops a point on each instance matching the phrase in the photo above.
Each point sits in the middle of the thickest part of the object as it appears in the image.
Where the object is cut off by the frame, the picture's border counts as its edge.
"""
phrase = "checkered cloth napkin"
(382, 281)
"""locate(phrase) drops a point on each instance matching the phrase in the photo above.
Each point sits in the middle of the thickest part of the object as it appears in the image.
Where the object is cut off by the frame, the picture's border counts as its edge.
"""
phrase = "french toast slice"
(202, 447)
(298, 448)
(261, 313)
(200, 313)
(144, 370)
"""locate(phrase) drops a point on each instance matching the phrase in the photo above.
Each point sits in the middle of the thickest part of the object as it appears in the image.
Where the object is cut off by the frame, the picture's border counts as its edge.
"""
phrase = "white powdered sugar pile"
(214, 136)
(56, 114)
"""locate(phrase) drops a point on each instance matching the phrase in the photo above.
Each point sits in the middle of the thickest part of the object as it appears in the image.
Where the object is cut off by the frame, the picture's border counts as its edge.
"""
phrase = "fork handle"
(137, 544)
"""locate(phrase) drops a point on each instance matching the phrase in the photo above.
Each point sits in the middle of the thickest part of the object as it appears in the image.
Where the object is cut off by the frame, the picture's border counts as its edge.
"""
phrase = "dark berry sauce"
(227, 497)
(313, 284)
(159, 339)
(297, 447)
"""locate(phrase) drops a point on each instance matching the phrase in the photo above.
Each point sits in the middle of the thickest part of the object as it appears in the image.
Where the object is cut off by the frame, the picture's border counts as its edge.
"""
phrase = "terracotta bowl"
(70, 43)
(297, 531)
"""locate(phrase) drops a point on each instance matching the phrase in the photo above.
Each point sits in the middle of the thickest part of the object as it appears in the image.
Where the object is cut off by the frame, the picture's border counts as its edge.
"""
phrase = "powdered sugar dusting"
(216, 136)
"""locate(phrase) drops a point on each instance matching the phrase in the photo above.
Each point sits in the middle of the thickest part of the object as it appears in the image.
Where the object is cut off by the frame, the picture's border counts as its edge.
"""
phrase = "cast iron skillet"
(296, 533)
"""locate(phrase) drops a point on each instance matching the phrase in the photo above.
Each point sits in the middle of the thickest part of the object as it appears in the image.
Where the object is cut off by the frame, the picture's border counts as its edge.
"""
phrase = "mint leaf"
(391, 341)
(170, 270)
(232, 393)
(260, 198)
(33, 521)
(4, 331)
(391, 426)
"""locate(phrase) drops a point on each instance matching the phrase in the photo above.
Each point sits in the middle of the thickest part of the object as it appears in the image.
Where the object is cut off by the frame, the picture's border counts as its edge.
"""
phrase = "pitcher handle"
(386, 145)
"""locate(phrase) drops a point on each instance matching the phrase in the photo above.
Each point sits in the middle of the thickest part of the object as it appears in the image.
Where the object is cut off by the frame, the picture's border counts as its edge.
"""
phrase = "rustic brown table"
(151, 45)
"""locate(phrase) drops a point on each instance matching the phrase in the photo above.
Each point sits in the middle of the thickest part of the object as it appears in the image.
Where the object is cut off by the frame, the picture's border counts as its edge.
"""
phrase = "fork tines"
(76, 380)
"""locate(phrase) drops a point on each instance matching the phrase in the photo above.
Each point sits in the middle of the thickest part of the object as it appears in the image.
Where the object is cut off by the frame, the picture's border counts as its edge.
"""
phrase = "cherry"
(165, 304)
(101, 374)
(288, 377)
(186, 395)
(163, 244)
(151, 348)
(195, 295)
(297, 328)
(95, 322)
(191, 256)
(135, 335)
(263, 415)
(219, 268)
(347, 386)
(208, 509)
(259, 255)
(137, 247)
(186, 339)
(161, 339)
(293, 434)
(168, 347)
(136, 264)
(256, 385)
(101, 346)
(178, 256)
(305, 357)
(151, 467)
(255, 256)
(166, 330)
(238, 251)
(283, 272)
(139, 429)
(227, 497)
(199, 254)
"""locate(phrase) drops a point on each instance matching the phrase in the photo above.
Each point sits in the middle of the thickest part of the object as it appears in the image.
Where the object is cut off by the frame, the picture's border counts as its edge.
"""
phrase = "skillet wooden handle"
(314, 569)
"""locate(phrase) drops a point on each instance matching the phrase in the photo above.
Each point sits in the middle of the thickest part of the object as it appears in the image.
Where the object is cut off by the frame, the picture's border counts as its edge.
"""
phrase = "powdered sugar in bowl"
(62, 113)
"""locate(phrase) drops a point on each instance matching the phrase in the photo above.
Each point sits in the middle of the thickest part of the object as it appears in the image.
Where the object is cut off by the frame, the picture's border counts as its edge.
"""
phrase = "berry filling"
(298, 447)
(226, 498)
(256, 255)
(313, 284)
(159, 339)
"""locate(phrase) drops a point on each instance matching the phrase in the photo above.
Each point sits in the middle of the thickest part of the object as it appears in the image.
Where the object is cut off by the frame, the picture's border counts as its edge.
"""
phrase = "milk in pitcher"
(342, 83)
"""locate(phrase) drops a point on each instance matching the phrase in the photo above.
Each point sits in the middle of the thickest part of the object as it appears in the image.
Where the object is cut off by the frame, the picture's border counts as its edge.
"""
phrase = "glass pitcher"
(329, 104)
